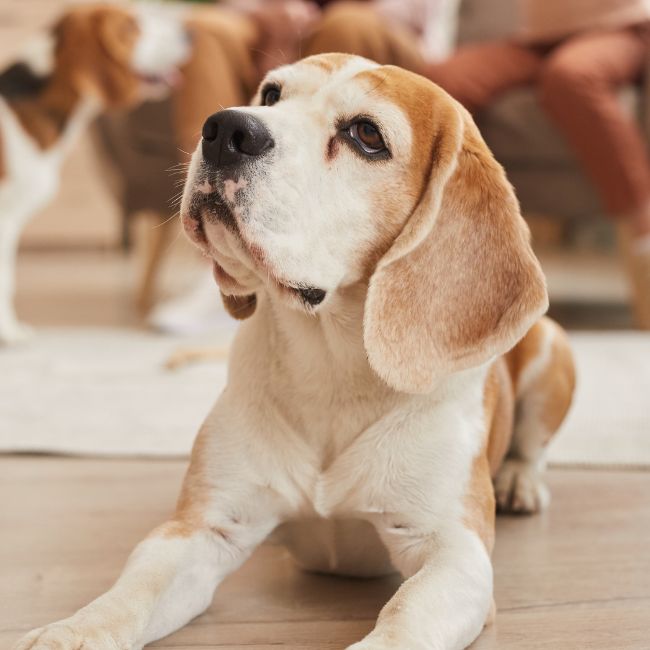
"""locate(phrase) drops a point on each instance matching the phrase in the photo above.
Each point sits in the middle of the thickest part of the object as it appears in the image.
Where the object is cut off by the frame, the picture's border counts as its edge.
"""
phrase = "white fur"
(355, 477)
(162, 45)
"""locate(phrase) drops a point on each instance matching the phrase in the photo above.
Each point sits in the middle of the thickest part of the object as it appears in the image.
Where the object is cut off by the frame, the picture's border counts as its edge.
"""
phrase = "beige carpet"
(106, 392)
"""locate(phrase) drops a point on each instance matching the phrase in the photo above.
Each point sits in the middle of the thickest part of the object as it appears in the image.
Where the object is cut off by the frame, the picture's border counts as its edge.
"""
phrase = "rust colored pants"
(577, 81)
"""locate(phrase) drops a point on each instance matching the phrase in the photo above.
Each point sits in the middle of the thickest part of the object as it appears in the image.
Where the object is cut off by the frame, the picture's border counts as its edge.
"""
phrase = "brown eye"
(271, 95)
(367, 136)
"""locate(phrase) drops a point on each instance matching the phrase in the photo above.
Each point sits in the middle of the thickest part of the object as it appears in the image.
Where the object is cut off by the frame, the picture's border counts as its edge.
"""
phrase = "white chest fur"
(331, 439)
(32, 174)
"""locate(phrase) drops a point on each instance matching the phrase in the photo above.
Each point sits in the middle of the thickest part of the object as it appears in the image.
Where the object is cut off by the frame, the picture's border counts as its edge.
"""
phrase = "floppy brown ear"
(460, 284)
(240, 307)
(117, 32)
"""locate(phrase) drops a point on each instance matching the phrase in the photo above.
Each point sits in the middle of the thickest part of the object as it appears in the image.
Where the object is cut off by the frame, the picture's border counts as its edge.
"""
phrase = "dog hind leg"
(544, 379)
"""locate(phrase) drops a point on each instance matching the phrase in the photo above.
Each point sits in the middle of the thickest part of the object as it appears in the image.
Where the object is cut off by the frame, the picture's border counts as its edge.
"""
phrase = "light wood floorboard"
(577, 577)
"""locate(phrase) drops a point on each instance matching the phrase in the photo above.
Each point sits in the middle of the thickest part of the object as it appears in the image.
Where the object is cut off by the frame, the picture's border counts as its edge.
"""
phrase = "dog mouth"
(208, 205)
(159, 82)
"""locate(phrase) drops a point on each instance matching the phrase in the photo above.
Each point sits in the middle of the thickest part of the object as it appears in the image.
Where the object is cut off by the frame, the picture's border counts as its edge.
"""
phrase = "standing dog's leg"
(171, 576)
(447, 598)
(11, 331)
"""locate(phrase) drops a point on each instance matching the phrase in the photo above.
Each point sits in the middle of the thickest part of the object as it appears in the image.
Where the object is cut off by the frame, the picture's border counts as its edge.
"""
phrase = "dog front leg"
(446, 600)
(169, 579)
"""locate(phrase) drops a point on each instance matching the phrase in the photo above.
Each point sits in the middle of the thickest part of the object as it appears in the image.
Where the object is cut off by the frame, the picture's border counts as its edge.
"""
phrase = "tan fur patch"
(499, 413)
(330, 62)
(498, 408)
(412, 94)
(525, 351)
(94, 50)
(193, 498)
(555, 382)
(558, 381)
(479, 502)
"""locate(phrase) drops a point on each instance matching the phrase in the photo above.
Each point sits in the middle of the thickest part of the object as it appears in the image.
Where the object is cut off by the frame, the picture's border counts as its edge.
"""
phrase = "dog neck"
(318, 372)
(330, 340)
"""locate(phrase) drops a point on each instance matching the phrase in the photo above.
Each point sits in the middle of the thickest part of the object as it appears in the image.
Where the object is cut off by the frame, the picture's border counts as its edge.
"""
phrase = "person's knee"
(343, 26)
(562, 76)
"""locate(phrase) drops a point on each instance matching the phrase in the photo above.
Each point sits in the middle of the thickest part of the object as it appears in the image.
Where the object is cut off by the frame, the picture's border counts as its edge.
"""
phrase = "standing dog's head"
(119, 54)
(347, 172)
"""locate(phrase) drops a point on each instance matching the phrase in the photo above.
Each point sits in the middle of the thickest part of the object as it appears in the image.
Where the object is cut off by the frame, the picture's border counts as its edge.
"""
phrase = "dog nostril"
(238, 141)
(210, 130)
(312, 295)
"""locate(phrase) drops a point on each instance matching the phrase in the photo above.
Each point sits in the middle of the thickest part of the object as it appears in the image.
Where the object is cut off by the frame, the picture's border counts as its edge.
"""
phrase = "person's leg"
(220, 73)
(477, 74)
(578, 89)
(357, 28)
(474, 75)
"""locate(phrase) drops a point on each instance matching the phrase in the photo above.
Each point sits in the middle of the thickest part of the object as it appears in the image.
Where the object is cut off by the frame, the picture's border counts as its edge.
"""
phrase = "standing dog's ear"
(460, 284)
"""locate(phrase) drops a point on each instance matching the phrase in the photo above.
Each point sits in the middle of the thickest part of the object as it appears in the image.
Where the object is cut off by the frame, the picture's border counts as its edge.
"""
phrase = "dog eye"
(367, 136)
(271, 95)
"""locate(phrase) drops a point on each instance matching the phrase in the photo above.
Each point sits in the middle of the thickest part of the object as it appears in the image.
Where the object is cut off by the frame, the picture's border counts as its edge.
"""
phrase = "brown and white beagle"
(393, 362)
(98, 57)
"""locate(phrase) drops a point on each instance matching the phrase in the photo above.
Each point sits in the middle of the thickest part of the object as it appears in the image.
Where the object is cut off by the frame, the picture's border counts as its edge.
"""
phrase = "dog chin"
(227, 283)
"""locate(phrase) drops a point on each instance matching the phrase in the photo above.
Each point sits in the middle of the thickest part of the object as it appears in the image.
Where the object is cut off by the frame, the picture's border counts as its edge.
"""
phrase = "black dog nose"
(232, 137)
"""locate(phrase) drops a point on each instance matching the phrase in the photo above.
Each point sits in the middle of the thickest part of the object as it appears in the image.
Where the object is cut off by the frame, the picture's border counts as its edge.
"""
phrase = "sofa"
(543, 170)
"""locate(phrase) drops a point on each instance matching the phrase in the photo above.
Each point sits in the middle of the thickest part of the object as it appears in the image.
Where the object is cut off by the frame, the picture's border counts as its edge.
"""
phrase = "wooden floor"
(575, 578)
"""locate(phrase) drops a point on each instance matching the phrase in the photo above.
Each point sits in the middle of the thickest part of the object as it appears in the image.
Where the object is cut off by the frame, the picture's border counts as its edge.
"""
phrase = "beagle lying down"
(98, 57)
(393, 363)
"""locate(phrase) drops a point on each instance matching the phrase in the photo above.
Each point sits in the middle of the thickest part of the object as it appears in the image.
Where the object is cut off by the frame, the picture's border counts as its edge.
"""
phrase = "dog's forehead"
(341, 77)
(323, 74)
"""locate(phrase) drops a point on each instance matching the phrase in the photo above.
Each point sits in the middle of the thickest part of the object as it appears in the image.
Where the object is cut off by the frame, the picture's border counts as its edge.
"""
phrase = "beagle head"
(343, 172)
(119, 54)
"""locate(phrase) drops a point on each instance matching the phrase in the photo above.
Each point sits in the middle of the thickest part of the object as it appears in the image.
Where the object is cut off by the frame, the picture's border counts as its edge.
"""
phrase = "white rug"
(106, 392)
(102, 392)
(609, 423)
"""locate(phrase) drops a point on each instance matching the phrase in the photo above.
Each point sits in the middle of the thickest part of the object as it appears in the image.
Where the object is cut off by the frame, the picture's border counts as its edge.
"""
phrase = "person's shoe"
(196, 312)
(636, 256)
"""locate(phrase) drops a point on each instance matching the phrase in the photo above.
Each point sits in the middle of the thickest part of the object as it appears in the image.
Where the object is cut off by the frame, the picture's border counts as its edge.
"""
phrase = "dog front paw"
(66, 635)
(519, 488)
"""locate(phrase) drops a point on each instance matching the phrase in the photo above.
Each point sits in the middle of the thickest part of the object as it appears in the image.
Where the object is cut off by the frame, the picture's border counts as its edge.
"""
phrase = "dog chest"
(32, 176)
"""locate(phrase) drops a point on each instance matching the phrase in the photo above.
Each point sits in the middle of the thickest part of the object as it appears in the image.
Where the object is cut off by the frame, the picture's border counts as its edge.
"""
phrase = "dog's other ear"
(240, 307)
(460, 284)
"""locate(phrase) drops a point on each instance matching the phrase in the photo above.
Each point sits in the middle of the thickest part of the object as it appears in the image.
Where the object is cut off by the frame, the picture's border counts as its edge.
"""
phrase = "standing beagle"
(99, 57)
(393, 361)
